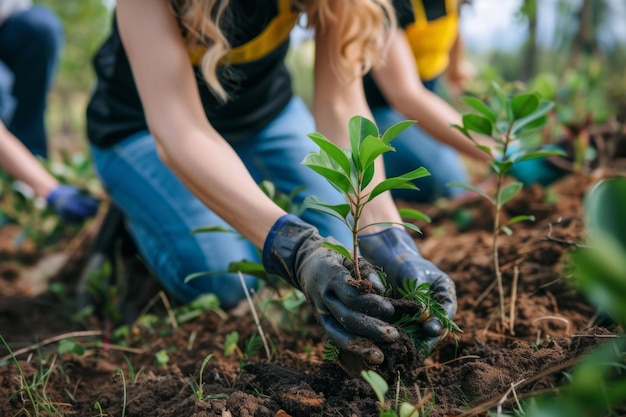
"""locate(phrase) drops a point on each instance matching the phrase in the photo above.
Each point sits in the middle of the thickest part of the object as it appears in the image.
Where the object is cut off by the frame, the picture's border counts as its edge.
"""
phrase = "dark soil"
(469, 373)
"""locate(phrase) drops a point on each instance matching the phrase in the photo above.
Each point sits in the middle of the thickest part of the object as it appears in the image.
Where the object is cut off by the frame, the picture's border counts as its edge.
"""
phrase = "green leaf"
(486, 149)
(542, 154)
(230, 343)
(195, 275)
(368, 174)
(371, 148)
(332, 150)
(481, 107)
(523, 105)
(396, 129)
(407, 225)
(340, 249)
(402, 181)
(509, 191)
(248, 268)
(378, 384)
(534, 120)
(358, 128)
(408, 213)
(207, 229)
(340, 211)
(521, 218)
(470, 187)
(507, 230)
(499, 94)
(501, 167)
(604, 209)
(323, 165)
(478, 124)
(70, 346)
(463, 131)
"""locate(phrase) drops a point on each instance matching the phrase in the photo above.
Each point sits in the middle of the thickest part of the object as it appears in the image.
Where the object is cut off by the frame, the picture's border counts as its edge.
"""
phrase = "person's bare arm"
(399, 82)
(20, 164)
(335, 102)
(187, 142)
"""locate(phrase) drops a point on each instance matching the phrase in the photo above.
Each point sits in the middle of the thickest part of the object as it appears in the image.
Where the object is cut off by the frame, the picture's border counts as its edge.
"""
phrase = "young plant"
(380, 387)
(198, 386)
(507, 120)
(351, 171)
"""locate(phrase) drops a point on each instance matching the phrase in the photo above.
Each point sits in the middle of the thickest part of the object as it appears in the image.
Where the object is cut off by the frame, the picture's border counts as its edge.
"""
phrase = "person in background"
(30, 42)
(69, 202)
(193, 108)
(427, 45)
(31, 37)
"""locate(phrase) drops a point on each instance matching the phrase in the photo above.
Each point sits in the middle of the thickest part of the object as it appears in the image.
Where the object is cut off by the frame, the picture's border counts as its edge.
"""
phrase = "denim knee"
(7, 101)
(42, 32)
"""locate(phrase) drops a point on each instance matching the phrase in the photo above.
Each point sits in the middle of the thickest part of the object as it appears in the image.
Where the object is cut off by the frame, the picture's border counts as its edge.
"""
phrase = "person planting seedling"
(351, 171)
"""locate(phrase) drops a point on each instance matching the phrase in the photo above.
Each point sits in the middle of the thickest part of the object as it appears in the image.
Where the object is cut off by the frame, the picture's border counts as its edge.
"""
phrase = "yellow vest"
(431, 41)
(275, 33)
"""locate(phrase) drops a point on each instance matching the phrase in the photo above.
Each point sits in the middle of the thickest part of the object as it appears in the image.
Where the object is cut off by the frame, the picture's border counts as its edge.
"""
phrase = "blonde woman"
(193, 108)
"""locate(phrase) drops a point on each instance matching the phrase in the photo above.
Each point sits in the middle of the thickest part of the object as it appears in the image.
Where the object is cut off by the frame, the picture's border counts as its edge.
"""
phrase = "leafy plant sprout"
(351, 170)
(507, 120)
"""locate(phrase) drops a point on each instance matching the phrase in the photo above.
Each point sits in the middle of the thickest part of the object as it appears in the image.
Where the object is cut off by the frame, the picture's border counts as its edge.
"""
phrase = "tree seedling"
(507, 120)
(351, 171)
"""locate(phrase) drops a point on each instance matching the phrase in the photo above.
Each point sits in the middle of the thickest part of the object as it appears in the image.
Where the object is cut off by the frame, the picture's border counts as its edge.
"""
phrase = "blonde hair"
(364, 26)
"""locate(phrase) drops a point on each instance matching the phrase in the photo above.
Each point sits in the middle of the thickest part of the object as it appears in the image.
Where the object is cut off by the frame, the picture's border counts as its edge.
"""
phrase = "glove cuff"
(54, 195)
(280, 250)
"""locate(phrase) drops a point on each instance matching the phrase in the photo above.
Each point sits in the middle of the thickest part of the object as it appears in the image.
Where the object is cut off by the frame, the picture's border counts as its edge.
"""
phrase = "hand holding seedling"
(395, 252)
(295, 251)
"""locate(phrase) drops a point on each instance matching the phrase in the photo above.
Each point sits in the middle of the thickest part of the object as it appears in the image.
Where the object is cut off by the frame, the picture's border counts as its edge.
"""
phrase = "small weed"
(35, 391)
(380, 387)
(198, 386)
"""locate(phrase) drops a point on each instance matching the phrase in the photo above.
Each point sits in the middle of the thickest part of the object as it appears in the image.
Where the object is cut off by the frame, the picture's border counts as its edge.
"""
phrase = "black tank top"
(258, 83)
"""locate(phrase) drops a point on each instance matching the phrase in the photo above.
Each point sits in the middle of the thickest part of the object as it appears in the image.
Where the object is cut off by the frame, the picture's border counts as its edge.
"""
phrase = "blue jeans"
(161, 212)
(416, 148)
(30, 43)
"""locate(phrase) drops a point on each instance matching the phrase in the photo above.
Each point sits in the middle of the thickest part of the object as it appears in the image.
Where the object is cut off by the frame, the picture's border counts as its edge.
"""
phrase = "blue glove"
(394, 250)
(293, 250)
(72, 204)
(537, 171)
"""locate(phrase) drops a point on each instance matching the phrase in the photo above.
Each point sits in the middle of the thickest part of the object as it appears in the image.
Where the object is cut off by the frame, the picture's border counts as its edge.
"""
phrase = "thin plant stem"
(124, 388)
(513, 300)
(496, 258)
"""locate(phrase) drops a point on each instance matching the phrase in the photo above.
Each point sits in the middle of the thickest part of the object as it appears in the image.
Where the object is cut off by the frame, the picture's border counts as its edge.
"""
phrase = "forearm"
(435, 116)
(221, 182)
(20, 164)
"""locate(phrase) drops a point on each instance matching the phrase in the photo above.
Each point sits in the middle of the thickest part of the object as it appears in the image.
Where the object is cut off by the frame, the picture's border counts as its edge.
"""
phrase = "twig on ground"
(85, 333)
(254, 315)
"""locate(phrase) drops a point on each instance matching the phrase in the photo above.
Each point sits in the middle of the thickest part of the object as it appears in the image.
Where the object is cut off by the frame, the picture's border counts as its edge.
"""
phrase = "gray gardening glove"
(394, 250)
(293, 250)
